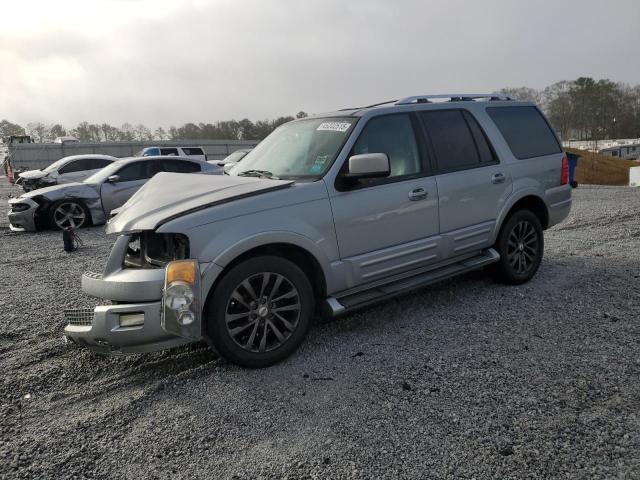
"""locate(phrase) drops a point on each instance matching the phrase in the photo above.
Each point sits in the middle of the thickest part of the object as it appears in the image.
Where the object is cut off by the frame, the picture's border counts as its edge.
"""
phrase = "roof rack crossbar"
(453, 97)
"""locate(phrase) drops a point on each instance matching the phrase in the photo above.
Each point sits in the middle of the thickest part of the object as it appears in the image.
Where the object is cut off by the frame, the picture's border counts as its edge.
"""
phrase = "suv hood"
(170, 195)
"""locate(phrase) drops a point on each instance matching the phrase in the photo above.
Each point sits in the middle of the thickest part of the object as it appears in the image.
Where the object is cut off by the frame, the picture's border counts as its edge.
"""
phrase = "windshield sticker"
(318, 165)
(333, 127)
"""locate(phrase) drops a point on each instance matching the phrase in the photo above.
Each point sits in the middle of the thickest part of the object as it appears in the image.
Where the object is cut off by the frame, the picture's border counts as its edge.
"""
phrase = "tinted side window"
(76, 166)
(99, 163)
(487, 154)
(393, 135)
(149, 152)
(451, 138)
(180, 166)
(135, 171)
(168, 151)
(525, 130)
(193, 151)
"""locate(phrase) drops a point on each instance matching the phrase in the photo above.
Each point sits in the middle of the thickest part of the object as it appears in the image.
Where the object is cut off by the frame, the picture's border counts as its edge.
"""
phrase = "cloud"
(169, 62)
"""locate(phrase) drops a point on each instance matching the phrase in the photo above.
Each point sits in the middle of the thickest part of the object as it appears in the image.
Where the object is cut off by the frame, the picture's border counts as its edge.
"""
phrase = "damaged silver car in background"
(75, 168)
(90, 202)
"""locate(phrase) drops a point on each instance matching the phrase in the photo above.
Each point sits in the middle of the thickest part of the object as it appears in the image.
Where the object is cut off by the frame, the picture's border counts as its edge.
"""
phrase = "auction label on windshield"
(334, 126)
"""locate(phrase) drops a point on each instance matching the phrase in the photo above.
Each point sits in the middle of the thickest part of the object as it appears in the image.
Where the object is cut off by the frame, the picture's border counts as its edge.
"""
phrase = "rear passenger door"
(472, 183)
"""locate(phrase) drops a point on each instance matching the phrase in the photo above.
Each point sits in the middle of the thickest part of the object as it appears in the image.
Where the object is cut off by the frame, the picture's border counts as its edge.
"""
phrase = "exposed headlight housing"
(178, 296)
(181, 299)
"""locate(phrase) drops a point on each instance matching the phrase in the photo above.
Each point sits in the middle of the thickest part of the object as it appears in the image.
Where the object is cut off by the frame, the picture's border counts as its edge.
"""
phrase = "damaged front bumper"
(100, 329)
(22, 214)
(133, 321)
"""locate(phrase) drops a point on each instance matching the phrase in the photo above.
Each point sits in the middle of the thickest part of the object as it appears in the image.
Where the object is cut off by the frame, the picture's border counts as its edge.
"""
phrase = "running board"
(351, 300)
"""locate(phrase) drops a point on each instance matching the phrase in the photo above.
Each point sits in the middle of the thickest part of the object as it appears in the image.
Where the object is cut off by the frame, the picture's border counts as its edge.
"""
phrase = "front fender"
(263, 239)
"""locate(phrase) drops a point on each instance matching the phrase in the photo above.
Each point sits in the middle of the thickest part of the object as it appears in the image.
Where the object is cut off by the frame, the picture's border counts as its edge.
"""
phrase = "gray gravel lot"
(465, 379)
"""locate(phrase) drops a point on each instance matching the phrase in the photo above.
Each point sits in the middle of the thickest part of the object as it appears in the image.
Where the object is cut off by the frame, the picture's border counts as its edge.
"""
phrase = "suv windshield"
(304, 148)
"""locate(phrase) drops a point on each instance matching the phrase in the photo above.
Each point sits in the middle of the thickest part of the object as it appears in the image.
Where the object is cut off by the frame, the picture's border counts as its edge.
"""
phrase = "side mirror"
(368, 165)
(113, 179)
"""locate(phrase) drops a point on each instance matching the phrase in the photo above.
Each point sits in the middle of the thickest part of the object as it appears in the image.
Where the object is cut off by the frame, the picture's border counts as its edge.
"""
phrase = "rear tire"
(521, 247)
(260, 312)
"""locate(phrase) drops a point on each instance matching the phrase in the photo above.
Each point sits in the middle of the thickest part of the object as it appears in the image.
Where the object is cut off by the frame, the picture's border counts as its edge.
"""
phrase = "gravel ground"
(465, 379)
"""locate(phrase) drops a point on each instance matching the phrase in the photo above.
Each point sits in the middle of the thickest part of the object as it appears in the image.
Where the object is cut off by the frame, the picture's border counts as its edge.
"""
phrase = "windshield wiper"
(257, 173)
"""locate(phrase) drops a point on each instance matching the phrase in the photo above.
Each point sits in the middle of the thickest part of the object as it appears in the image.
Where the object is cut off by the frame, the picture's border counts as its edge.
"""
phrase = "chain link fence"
(6, 192)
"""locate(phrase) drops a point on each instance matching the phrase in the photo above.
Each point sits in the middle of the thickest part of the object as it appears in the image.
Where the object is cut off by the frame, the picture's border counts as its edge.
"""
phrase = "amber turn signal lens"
(182, 270)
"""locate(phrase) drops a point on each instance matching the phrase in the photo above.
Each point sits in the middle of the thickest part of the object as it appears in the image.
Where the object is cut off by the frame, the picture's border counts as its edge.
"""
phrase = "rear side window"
(452, 141)
(149, 152)
(180, 166)
(99, 163)
(192, 151)
(525, 130)
(77, 166)
(487, 154)
(169, 151)
(138, 171)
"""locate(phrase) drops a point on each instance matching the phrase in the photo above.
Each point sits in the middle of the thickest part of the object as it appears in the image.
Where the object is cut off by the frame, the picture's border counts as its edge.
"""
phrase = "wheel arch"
(291, 251)
(531, 202)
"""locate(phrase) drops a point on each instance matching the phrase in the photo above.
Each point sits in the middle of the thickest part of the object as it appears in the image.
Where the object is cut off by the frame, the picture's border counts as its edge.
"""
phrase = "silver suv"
(327, 214)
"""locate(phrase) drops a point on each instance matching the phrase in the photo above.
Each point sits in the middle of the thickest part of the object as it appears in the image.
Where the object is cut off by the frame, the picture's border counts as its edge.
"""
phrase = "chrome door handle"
(418, 194)
(498, 178)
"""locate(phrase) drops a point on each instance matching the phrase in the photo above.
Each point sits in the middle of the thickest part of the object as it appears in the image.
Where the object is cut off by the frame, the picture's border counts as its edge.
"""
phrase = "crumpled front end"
(133, 281)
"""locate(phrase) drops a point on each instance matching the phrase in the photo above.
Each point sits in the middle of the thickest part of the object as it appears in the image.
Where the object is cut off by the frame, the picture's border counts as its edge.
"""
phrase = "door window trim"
(432, 152)
(424, 162)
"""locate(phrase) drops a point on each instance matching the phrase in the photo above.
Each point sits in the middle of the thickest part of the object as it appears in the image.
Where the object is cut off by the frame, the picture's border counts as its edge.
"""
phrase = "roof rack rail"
(453, 97)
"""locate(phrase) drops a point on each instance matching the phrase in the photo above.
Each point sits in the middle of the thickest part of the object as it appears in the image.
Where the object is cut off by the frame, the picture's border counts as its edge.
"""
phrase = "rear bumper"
(99, 329)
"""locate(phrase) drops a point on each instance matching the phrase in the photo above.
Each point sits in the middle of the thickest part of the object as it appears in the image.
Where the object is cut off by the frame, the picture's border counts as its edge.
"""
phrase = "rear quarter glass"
(525, 130)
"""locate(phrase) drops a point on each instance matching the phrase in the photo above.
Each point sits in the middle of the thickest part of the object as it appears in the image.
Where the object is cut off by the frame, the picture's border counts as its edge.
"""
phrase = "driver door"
(390, 225)
(132, 177)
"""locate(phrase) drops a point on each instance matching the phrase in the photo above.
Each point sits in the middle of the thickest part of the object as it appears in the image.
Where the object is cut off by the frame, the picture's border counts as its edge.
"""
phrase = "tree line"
(587, 109)
(581, 109)
(92, 132)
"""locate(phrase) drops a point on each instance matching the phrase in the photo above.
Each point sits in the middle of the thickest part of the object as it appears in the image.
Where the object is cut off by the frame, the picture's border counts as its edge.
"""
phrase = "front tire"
(521, 247)
(68, 213)
(260, 312)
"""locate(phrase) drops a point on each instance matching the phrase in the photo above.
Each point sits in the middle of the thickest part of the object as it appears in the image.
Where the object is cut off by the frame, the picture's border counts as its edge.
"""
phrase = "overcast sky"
(167, 62)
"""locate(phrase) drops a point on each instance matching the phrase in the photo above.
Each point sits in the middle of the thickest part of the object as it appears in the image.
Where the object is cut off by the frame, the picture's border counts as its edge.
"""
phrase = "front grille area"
(94, 275)
(79, 316)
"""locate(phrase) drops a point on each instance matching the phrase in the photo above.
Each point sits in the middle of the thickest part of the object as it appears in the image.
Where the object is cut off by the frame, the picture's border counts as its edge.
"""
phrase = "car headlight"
(181, 299)
(20, 207)
(178, 296)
